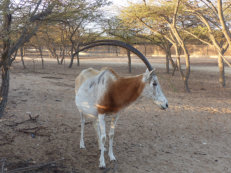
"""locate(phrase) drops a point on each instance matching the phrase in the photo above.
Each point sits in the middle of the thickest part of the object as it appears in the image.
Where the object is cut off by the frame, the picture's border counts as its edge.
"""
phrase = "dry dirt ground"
(192, 136)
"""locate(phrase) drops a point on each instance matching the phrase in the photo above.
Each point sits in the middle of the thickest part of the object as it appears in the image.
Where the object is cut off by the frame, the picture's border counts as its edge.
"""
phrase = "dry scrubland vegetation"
(193, 135)
(39, 125)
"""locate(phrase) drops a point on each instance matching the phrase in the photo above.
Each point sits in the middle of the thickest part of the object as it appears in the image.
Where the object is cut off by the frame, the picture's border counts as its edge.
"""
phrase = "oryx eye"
(154, 84)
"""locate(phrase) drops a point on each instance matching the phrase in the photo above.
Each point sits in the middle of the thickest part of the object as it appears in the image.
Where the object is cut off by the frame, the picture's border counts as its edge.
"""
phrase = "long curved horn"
(116, 43)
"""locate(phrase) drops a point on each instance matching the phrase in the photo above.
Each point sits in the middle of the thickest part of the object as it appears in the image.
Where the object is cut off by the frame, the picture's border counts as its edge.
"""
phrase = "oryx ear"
(154, 69)
(147, 75)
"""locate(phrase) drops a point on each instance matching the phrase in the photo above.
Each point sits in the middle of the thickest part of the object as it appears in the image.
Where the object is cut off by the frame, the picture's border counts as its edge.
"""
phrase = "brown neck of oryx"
(121, 93)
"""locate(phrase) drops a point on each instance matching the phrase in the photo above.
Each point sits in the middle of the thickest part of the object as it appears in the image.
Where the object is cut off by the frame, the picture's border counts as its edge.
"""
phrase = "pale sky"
(117, 5)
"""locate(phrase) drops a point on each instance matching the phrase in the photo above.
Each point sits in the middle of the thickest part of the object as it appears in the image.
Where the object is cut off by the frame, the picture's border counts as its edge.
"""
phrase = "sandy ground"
(193, 135)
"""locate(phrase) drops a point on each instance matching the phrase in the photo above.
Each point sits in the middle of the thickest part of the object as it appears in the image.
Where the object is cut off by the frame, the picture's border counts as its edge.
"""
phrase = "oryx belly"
(86, 98)
(91, 92)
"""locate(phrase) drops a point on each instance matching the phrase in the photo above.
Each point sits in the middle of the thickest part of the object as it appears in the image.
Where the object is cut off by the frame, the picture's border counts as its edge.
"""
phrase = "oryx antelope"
(100, 93)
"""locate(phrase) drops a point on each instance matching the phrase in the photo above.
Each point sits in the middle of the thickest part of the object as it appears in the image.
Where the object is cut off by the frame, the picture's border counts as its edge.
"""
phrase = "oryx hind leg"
(97, 129)
(103, 139)
(82, 145)
(111, 137)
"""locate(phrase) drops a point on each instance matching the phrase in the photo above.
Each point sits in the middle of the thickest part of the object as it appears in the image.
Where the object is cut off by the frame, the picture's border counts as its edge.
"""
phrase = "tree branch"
(175, 13)
(203, 41)
(43, 14)
(36, 8)
(212, 7)
(34, 167)
(225, 29)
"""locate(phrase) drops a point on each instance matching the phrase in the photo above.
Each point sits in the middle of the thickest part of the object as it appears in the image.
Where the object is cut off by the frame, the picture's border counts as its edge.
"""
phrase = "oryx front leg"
(111, 137)
(102, 139)
(82, 145)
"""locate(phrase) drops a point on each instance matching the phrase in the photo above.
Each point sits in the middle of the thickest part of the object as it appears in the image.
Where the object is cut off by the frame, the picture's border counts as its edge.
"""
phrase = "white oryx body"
(100, 93)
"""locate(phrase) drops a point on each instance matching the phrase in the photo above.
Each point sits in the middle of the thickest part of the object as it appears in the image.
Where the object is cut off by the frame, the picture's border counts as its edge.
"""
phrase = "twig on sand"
(34, 167)
(34, 119)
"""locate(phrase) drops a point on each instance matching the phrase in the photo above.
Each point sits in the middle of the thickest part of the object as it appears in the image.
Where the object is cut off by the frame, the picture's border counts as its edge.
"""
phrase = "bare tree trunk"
(168, 58)
(52, 51)
(174, 66)
(182, 44)
(41, 55)
(225, 29)
(145, 50)
(22, 57)
(220, 49)
(221, 71)
(4, 88)
(55, 55)
(129, 61)
(168, 55)
(78, 62)
(63, 56)
(5, 58)
(187, 70)
(167, 62)
(117, 53)
(72, 56)
(178, 64)
(187, 58)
